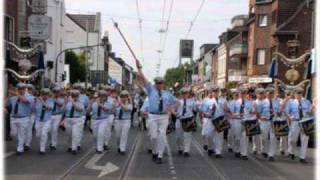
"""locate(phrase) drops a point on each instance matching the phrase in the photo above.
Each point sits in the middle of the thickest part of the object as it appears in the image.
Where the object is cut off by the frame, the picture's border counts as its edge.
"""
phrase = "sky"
(213, 19)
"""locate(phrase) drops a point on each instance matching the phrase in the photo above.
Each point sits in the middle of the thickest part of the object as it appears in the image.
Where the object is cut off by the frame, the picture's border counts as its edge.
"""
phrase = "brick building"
(272, 24)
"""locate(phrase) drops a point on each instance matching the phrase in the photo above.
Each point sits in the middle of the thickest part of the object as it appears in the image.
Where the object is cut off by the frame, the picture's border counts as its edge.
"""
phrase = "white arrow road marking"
(108, 168)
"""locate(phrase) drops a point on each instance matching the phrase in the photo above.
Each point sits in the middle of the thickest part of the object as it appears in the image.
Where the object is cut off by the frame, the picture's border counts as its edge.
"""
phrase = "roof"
(82, 20)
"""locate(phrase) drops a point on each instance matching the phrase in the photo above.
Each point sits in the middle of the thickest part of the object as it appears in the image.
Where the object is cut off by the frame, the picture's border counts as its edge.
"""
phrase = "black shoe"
(18, 153)
(105, 147)
(230, 150)
(26, 148)
(265, 155)
(69, 150)
(303, 161)
(42, 153)
(98, 152)
(180, 152)
(53, 148)
(291, 156)
(119, 150)
(218, 156)
(8, 138)
(186, 154)
(74, 152)
(237, 155)
(244, 157)
(122, 153)
(282, 153)
(149, 151)
(205, 147)
(154, 157)
(254, 152)
(210, 152)
(159, 160)
(271, 159)
(79, 148)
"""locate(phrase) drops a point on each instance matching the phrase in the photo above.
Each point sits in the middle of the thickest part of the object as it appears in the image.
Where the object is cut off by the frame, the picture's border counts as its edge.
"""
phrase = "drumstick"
(126, 42)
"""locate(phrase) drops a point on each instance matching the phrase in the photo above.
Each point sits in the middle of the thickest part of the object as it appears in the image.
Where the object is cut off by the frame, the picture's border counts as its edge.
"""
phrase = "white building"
(222, 65)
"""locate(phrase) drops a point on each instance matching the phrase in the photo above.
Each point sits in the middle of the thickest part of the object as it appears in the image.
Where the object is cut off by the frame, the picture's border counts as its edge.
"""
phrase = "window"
(261, 56)
(9, 28)
(263, 20)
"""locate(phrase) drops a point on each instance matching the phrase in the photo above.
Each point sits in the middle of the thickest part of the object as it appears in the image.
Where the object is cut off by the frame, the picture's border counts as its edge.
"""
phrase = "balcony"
(238, 50)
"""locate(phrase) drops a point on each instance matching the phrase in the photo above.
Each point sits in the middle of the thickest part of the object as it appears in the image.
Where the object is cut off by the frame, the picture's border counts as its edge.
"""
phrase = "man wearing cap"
(209, 109)
(20, 106)
(296, 110)
(185, 112)
(100, 109)
(57, 112)
(161, 103)
(234, 133)
(74, 120)
(112, 96)
(30, 92)
(122, 126)
(44, 108)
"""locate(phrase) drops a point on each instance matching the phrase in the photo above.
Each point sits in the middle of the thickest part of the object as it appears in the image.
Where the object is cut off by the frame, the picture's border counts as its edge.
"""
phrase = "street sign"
(186, 48)
(39, 27)
(39, 6)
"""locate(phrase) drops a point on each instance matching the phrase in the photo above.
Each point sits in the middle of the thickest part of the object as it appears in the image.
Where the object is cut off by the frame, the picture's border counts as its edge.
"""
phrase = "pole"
(87, 55)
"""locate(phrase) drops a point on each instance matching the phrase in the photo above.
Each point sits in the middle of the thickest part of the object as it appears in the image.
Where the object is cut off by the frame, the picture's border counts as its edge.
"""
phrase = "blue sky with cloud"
(213, 19)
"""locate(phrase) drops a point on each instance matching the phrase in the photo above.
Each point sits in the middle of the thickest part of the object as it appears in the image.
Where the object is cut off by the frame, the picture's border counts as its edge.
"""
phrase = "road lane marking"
(198, 147)
(9, 154)
(106, 169)
(170, 159)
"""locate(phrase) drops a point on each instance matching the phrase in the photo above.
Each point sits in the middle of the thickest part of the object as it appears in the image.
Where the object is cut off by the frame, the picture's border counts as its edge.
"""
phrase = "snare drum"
(280, 128)
(188, 124)
(221, 124)
(307, 125)
(252, 127)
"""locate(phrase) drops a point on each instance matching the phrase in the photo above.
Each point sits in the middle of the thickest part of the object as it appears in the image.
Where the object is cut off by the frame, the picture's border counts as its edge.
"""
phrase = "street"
(137, 164)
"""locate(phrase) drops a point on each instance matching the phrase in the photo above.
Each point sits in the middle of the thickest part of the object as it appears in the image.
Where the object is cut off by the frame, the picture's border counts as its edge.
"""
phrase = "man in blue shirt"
(123, 115)
(20, 106)
(59, 101)
(101, 110)
(112, 96)
(44, 108)
(161, 104)
(298, 109)
(73, 122)
(30, 92)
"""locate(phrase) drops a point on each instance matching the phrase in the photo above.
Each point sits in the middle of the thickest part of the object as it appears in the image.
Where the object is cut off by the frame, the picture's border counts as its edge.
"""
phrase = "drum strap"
(271, 109)
(300, 110)
(213, 110)
(16, 107)
(184, 110)
(242, 107)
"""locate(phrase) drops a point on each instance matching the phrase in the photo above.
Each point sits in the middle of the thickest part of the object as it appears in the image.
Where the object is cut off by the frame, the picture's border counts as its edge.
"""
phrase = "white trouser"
(257, 143)
(268, 139)
(284, 144)
(148, 144)
(29, 129)
(236, 134)
(18, 128)
(208, 133)
(42, 131)
(183, 138)
(55, 122)
(73, 129)
(158, 126)
(122, 129)
(98, 127)
(83, 119)
(108, 129)
(215, 138)
(294, 131)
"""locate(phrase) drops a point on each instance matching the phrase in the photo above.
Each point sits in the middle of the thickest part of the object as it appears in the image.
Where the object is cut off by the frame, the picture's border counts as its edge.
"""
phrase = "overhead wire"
(161, 31)
(195, 18)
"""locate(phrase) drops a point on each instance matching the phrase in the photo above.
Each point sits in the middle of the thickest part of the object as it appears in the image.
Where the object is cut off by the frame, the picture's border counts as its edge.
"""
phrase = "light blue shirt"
(126, 115)
(76, 113)
(292, 108)
(221, 102)
(263, 108)
(167, 98)
(104, 114)
(84, 99)
(60, 105)
(24, 108)
(207, 107)
(190, 107)
(48, 112)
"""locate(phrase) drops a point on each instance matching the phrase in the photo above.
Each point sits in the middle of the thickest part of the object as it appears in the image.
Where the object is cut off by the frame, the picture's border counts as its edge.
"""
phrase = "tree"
(77, 66)
(176, 75)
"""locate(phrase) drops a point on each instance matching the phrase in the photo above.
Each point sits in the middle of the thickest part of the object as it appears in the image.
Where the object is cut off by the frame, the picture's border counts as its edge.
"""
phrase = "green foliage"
(177, 74)
(77, 66)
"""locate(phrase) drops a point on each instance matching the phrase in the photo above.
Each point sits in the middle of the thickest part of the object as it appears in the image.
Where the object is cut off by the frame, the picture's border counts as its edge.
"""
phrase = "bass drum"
(251, 127)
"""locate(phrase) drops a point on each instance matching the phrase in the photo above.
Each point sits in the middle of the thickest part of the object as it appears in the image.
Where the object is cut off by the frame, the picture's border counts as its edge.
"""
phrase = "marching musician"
(30, 92)
(44, 106)
(161, 103)
(145, 112)
(57, 112)
(101, 109)
(185, 114)
(123, 120)
(20, 106)
(112, 96)
(74, 120)
(297, 109)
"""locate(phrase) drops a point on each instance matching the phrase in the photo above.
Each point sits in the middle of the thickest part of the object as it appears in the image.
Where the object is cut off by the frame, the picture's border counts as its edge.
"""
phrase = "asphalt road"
(137, 164)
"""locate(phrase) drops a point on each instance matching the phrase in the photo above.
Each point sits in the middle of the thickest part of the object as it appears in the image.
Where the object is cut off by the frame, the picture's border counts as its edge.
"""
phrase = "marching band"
(241, 116)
